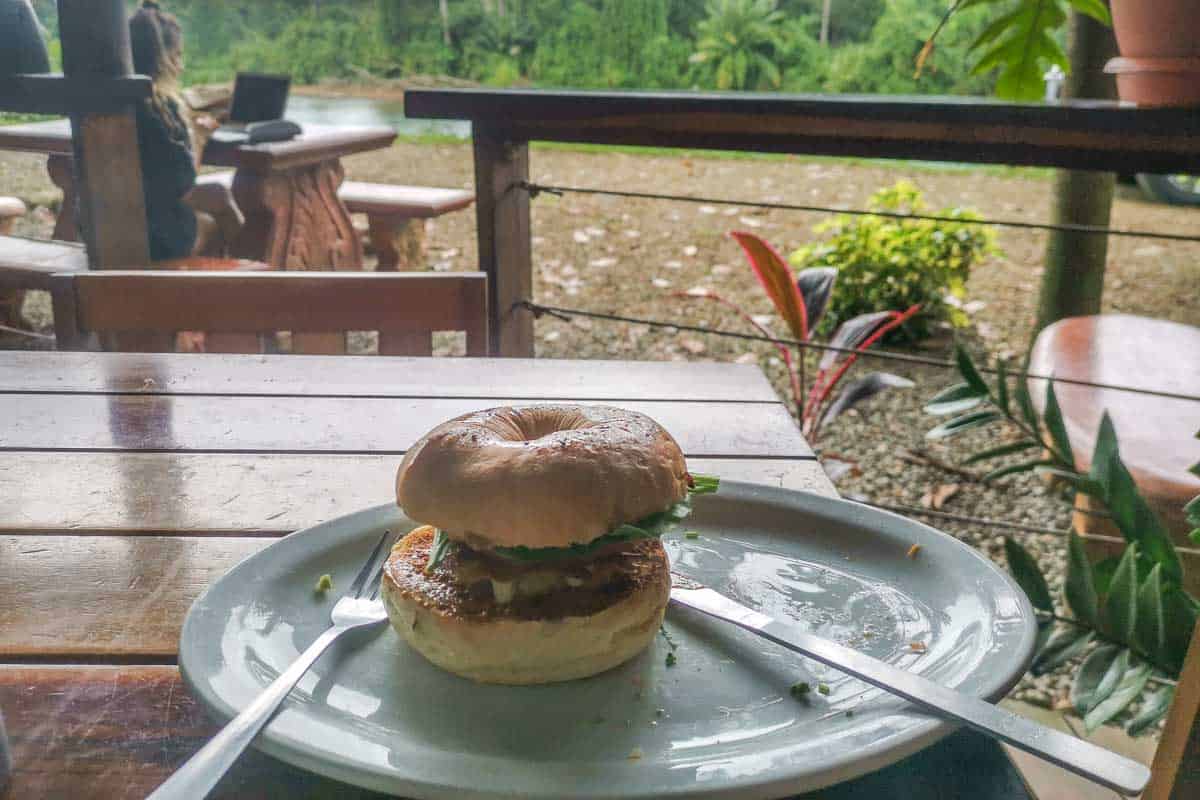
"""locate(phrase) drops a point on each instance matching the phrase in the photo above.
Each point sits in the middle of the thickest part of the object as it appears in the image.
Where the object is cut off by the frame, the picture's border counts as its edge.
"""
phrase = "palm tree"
(738, 43)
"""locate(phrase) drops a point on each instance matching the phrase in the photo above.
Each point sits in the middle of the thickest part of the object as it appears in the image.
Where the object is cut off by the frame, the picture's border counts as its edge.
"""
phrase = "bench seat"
(393, 212)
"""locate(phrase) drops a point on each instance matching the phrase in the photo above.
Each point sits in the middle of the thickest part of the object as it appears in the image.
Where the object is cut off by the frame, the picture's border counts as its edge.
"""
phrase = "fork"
(355, 610)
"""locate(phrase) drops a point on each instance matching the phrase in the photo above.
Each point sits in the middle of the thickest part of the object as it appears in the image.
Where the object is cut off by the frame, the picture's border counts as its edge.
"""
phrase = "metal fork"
(359, 608)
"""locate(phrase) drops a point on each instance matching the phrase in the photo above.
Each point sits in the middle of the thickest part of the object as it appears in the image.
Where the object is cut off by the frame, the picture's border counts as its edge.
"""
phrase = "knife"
(1083, 758)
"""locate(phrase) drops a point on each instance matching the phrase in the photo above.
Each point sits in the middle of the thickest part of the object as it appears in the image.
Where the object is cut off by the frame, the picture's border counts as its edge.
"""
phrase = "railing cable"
(565, 314)
(535, 189)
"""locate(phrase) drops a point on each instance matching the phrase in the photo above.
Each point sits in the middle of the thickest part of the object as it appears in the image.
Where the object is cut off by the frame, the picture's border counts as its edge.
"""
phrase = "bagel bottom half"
(598, 629)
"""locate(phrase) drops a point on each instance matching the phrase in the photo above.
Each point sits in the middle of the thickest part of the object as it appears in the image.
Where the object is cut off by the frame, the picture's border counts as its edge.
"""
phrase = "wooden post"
(502, 218)
(108, 170)
(1176, 767)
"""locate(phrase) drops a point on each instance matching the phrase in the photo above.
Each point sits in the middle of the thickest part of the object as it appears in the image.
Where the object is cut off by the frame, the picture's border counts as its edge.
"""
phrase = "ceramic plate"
(718, 721)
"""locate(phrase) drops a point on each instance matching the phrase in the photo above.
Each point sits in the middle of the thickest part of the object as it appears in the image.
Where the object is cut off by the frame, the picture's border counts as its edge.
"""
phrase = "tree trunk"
(444, 11)
(1073, 281)
(826, 10)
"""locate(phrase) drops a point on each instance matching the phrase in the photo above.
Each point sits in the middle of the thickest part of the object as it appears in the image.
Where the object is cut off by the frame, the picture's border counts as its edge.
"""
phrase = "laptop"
(256, 113)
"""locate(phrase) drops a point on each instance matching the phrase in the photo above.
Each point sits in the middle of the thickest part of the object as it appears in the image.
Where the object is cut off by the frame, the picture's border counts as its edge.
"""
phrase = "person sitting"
(182, 218)
(164, 135)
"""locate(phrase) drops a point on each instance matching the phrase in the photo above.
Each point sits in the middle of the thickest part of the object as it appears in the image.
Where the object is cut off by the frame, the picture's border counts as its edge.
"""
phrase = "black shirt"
(168, 173)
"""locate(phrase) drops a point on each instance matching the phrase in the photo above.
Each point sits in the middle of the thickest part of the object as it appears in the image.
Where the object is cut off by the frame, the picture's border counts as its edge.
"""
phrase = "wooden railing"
(1077, 135)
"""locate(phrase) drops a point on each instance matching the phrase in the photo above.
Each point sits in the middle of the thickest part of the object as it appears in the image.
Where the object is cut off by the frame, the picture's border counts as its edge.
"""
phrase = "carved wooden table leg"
(294, 220)
(62, 172)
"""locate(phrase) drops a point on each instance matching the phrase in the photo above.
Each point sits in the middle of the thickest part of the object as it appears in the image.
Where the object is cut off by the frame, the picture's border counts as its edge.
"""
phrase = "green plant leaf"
(1179, 618)
(953, 400)
(970, 374)
(1052, 415)
(1102, 573)
(1155, 707)
(966, 422)
(1028, 575)
(1096, 9)
(1079, 586)
(1136, 520)
(1002, 450)
(1082, 483)
(1002, 386)
(1131, 683)
(1045, 629)
(1120, 606)
(1104, 454)
(1151, 633)
(1092, 682)
(1067, 643)
(1012, 469)
(1025, 404)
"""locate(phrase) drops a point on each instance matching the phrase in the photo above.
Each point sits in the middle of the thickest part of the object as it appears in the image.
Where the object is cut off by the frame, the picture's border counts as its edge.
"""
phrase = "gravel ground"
(631, 256)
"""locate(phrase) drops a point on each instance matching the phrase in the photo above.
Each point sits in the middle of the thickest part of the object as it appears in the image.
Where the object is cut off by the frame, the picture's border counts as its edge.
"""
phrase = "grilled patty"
(471, 583)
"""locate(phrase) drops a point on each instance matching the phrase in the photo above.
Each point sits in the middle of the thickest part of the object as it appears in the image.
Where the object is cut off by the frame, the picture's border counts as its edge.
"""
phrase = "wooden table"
(131, 481)
(287, 190)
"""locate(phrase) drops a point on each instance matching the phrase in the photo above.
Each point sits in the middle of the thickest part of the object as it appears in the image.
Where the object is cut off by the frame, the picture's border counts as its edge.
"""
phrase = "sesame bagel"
(540, 476)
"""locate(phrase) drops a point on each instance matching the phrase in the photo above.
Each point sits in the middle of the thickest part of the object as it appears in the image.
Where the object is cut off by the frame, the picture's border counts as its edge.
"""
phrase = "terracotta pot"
(1159, 42)
(1157, 81)
(1157, 28)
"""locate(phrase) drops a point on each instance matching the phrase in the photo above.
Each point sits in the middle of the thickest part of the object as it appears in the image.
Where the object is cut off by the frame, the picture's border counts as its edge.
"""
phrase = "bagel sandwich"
(539, 558)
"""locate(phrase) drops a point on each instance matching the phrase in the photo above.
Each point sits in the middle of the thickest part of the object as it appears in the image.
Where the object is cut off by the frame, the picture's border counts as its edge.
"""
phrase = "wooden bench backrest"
(236, 309)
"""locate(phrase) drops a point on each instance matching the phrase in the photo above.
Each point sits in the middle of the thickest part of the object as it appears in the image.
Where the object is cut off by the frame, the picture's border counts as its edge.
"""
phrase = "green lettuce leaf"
(650, 527)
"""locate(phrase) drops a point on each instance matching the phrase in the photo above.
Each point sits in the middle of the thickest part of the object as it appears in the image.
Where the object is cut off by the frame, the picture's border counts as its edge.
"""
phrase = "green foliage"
(850, 20)
(1134, 605)
(312, 46)
(1023, 39)
(895, 263)
(584, 43)
(739, 45)
(886, 61)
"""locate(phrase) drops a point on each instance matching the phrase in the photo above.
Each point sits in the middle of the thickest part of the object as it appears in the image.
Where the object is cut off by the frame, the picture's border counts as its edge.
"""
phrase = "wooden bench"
(1156, 434)
(30, 264)
(236, 310)
(395, 215)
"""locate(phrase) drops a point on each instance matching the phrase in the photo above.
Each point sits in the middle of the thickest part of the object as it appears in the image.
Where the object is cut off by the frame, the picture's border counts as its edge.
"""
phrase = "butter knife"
(1081, 757)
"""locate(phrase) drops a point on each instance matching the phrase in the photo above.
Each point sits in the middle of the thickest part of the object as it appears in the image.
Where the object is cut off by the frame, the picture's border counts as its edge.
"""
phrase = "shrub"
(885, 263)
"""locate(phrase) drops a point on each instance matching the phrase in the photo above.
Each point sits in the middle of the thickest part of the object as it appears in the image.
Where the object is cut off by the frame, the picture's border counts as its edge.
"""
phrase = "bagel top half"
(540, 476)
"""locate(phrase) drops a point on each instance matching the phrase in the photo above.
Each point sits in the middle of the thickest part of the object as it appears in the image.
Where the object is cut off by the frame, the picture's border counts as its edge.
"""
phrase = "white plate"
(719, 723)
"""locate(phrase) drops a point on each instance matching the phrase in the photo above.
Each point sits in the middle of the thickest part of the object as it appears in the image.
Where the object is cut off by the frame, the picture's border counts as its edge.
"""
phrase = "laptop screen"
(258, 98)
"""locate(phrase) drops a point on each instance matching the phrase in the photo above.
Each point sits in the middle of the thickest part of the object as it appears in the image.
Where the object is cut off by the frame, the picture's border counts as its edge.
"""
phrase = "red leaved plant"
(801, 300)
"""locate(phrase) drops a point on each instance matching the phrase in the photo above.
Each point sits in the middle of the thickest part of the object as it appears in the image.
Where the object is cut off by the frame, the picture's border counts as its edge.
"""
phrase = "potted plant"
(1159, 44)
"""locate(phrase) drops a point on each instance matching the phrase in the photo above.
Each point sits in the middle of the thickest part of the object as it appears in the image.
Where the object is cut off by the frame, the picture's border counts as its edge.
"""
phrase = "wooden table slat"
(339, 425)
(124, 595)
(239, 493)
(368, 376)
(70, 730)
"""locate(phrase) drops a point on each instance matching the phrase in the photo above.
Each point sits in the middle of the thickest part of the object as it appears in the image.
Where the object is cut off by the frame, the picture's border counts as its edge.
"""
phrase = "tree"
(1073, 280)
(739, 44)
(629, 26)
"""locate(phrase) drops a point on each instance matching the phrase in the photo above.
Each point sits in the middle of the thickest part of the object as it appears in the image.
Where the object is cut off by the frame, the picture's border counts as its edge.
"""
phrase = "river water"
(313, 110)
